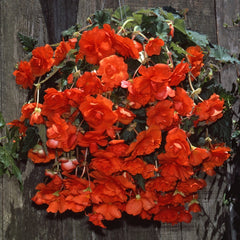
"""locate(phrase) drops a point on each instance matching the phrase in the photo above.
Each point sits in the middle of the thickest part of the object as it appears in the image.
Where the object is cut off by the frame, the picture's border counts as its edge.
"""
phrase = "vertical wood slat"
(19, 219)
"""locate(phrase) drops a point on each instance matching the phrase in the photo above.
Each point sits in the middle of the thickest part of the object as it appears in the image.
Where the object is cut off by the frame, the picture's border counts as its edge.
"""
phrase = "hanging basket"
(128, 113)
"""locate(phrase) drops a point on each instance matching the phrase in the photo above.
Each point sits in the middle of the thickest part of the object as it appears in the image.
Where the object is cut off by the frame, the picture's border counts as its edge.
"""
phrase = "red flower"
(209, 110)
(61, 51)
(97, 44)
(55, 104)
(146, 142)
(113, 70)
(145, 201)
(160, 184)
(135, 166)
(125, 116)
(42, 60)
(161, 115)
(38, 154)
(106, 162)
(218, 155)
(98, 113)
(96, 219)
(153, 47)
(92, 139)
(24, 75)
(179, 73)
(125, 47)
(109, 211)
(176, 144)
(183, 104)
(89, 83)
(195, 58)
(139, 92)
(198, 155)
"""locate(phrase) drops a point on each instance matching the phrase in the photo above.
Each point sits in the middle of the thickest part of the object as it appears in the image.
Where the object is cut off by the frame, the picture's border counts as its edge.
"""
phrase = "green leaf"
(162, 30)
(101, 17)
(70, 31)
(42, 131)
(2, 122)
(27, 42)
(222, 128)
(199, 39)
(176, 48)
(221, 54)
(30, 140)
(179, 24)
(140, 181)
(7, 162)
(122, 12)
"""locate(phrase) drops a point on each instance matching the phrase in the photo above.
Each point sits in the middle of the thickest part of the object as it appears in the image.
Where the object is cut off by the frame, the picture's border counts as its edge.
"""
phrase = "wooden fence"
(44, 20)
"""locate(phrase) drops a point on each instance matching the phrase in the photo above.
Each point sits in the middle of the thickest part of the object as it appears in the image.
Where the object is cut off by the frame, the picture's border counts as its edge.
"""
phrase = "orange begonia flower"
(106, 162)
(146, 142)
(135, 166)
(92, 139)
(28, 111)
(173, 215)
(125, 116)
(97, 112)
(195, 58)
(89, 83)
(160, 184)
(38, 154)
(109, 211)
(50, 194)
(113, 70)
(218, 155)
(96, 219)
(153, 47)
(198, 155)
(42, 60)
(24, 75)
(158, 73)
(176, 143)
(144, 201)
(55, 102)
(118, 147)
(194, 207)
(183, 104)
(209, 110)
(125, 47)
(179, 73)
(173, 171)
(61, 51)
(75, 97)
(97, 44)
(161, 115)
(139, 92)
(149, 171)
(191, 185)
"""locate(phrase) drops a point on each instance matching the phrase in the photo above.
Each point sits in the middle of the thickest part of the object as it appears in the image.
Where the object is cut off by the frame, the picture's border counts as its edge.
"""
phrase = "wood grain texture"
(19, 218)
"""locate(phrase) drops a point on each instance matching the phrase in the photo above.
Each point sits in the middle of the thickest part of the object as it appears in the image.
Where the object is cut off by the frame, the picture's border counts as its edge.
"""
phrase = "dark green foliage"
(222, 129)
(140, 181)
(31, 139)
(70, 31)
(27, 42)
(101, 17)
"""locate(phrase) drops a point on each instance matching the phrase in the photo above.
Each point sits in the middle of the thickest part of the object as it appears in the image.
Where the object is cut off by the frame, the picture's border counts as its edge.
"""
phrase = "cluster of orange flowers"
(96, 168)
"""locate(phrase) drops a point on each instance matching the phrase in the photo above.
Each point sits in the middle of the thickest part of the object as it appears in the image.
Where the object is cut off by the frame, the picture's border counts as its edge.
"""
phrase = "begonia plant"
(126, 114)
